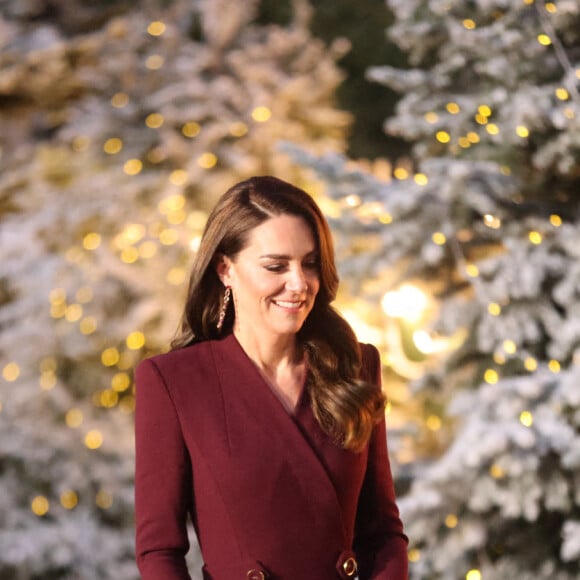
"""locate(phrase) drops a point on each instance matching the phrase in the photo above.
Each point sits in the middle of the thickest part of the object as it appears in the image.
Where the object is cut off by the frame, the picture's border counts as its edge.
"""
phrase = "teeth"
(288, 304)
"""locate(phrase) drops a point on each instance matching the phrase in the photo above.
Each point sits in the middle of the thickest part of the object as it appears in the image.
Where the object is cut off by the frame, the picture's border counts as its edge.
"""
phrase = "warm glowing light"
(39, 506)
(443, 137)
(91, 241)
(535, 237)
(80, 143)
(47, 380)
(69, 499)
(451, 521)
(261, 114)
(178, 177)
(84, 294)
(496, 471)
(120, 100)
(473, 575)
(154, 120)
(469, 24)
(156, 28)
(473, 137)
(452, 108)
(238, 129)
(421, 179)
(73, 312)
(108, 398)
(88, 325)
(120, 382)
(556, 220)
(491, 377)
(168, 237)
(147, 249)
(113, 145)
(386, 218)
(104, 499)
(531, 364)
(481, 119)
(414, 555)
(191, 129)
(439, 238)
(11, 372)
(472, 270)
(400, 173)
(492, 129)
(562, 94)
(550, 7)
(433, 423)
(431, 117)
(73, 418)
(522, 131)
(509, 346)
(409, 302)
(499, 358)
(526, 419)
(154, 62)
(176, 276)
(133, 167)
(129, 255)
(544, 39)
(127, 405)
(136, 340)
(494, 309)
(554, 366)
(352, 200)
(94, 439)
(57, 296)
(207, 160)
(464, 142)
(492, 221)
(110, 357)
(484, 110)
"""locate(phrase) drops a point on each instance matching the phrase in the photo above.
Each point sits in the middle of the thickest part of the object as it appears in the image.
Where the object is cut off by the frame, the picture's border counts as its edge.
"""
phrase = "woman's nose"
(297, 280)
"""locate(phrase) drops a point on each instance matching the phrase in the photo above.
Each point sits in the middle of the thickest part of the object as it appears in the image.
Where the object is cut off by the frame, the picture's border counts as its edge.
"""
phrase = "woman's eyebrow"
(312, 253)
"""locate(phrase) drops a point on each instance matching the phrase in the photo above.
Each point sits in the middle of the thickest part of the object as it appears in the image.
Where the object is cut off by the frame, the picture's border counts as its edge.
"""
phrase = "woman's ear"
(223, 267)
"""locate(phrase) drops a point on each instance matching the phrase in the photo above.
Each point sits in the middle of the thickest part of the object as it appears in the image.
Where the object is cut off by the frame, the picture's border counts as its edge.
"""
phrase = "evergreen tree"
(484, 218)
(121, 123)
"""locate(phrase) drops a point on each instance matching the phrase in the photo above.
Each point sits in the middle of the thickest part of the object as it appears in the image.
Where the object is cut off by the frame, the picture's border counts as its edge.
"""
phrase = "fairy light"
(108, 398)
(127, 405)
(491, 376)
(238, 129)
(400, 173)
(88, 325)
(414, 555)
(73, 312)
(473, 574)
(473, 137)
(544, 39)
(168, 237)
(40, 505)
(469, 24)
(555, 220)
(135, 340)
(554, 366)
(178, 177)
(207, 160)
(433, 423)
(133, 167)
(156, 28)
(110, 357)
(91, 241)
(443, 137)
(492, 129)
(129, 255)
(464, 142)
(176, 276)
(154, 62)
(120, 100)
(535, 237)
(80, 143)
(526, 418)
(494, 309)
(11, 372)
(154, 120)
(472, 270)
(386, 218)
(73, 418)
(47, 380)
(408, 302)
(550, 7)
(492, 221)
(562, 94)
(156, 155)
(84, 294)
(484, 110)
(531, 364)
(120, 382)
(431, 117)
(439, 238)
(522, 131)
(94, 439)
(496, 471)
(509, 346)
(261, 114)
(452, 108)
(104, 499)
(191, 129)
(113, 146)
(451, 521)
(126, 361)
(420, 179)
(69, 499)
(147, 249)
(481, 119)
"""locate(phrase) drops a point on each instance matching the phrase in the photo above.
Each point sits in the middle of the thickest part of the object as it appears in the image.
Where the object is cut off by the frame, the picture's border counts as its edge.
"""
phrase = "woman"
(265, 423)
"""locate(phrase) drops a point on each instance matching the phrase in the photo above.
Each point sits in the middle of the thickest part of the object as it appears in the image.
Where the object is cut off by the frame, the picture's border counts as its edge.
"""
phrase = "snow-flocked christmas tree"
(121, 123)
(483, 220)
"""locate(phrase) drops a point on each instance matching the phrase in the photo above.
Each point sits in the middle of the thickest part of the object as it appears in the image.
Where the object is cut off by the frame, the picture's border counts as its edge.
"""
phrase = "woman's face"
(275, 278)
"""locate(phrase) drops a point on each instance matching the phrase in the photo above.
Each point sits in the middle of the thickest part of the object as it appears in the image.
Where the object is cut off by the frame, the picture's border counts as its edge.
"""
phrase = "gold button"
(349, 566)
(255, 575)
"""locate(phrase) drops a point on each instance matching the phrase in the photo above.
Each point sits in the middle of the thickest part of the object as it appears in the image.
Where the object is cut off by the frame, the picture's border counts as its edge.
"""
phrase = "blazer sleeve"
(162, 480)
(379, 542)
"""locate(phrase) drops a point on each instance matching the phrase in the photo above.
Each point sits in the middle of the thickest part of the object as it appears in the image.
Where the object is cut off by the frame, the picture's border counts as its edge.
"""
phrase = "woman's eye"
(311, 265)
(274, 267)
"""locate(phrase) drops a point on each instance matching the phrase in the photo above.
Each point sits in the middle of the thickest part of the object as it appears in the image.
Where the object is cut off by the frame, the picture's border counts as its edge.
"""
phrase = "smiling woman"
(265, 423)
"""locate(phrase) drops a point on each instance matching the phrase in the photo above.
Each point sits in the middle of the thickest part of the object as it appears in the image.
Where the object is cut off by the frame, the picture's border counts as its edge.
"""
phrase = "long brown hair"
(345, 407)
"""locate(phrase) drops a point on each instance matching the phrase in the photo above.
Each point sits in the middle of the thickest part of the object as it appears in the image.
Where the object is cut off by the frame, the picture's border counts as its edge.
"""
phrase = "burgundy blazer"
(269, 494)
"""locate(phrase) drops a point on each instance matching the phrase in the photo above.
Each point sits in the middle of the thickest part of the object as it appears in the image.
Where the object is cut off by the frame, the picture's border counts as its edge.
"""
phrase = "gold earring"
(224, 307)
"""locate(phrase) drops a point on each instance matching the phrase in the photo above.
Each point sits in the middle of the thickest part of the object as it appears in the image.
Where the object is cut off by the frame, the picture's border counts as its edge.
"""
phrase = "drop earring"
(224, 307)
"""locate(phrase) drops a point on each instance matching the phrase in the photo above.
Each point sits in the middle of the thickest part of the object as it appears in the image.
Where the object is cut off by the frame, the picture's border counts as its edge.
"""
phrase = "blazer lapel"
(265, 438)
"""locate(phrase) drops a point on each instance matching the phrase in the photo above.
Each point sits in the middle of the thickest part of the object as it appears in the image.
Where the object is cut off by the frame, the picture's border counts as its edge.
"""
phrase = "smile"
(288, 304)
